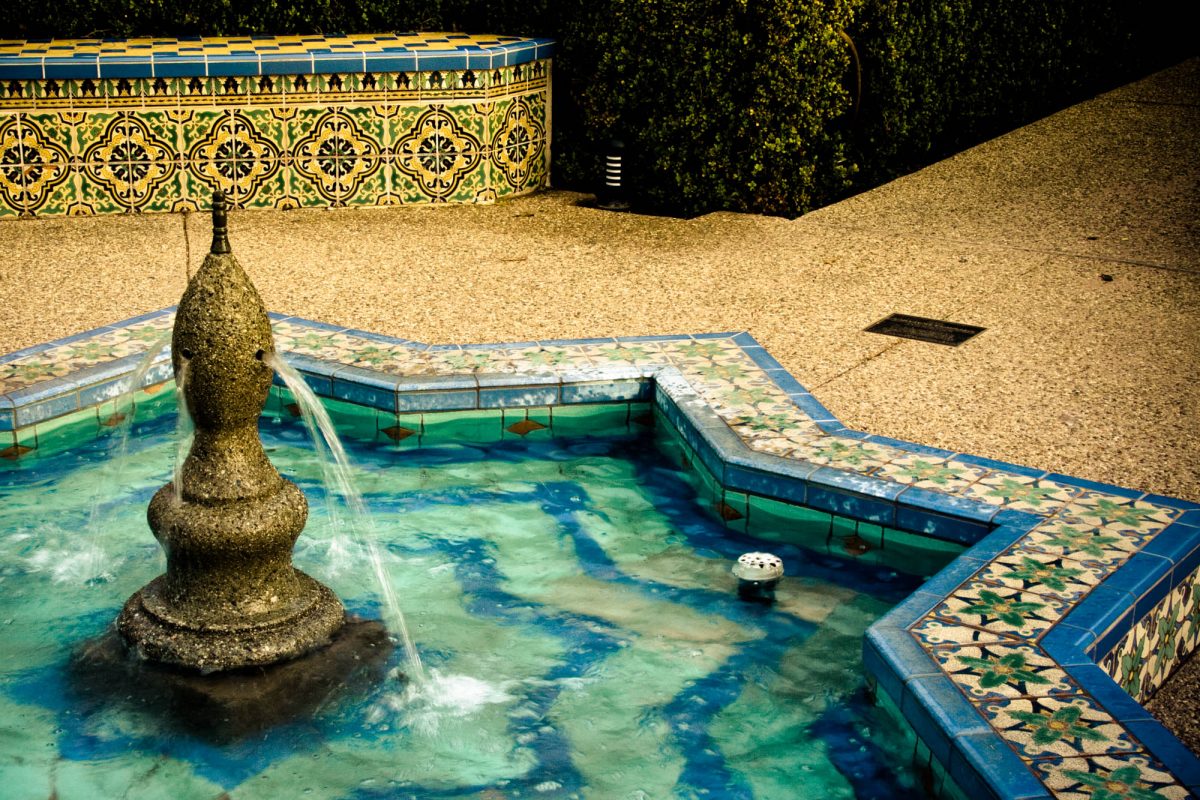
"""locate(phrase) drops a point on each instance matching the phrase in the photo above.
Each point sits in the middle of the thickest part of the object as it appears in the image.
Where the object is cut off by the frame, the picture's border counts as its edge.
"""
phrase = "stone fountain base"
(238, 704)
(156, 634)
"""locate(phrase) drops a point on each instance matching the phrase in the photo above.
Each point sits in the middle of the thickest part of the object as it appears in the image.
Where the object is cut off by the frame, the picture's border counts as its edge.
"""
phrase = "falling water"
(336, 469)
(184, 429)
(124, 408)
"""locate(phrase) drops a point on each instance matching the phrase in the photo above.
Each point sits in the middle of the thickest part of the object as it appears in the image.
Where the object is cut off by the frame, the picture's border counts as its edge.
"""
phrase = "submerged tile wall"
(95, 127)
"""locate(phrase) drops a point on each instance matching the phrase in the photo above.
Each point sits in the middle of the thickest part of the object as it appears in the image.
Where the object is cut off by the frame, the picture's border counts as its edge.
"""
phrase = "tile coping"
(45, 59)
(993, 661)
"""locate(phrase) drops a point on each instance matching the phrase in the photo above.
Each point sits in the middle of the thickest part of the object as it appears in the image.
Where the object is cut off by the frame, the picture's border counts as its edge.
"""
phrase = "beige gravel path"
(1077, 374)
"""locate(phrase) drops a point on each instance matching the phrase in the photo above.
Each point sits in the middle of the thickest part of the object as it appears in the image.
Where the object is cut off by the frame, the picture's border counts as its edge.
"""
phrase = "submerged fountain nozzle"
(758, 574)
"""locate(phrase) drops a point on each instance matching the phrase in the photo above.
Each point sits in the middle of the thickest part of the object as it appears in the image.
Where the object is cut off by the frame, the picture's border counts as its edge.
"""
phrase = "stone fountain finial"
(230, 597)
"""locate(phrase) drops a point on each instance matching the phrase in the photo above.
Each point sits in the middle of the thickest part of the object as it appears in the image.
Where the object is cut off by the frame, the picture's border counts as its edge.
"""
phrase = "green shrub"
(773, 106)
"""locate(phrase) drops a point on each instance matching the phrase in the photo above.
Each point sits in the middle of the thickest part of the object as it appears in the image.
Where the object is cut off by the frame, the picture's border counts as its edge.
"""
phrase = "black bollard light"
(612, 195)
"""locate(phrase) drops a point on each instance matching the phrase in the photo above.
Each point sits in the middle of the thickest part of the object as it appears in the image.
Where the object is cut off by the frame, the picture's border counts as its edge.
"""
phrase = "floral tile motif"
(336, 347)
(1087, 544)
(1003, 670)
(1125, 776)
(925, 472)
(1037, 727)
(846, 454)
(1127, 664)
(1096, 508)
(1044, 574)
(705, 351)
(630, 353)
(1001, 610)
(933, 631)
(1021, 493)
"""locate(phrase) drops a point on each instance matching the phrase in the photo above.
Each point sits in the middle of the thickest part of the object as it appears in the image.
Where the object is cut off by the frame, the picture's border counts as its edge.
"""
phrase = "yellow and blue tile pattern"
(1018, 665)
(155, 125)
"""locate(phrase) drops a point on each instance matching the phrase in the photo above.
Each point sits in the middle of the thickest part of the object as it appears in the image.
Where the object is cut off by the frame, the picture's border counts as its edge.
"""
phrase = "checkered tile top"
(262, 55)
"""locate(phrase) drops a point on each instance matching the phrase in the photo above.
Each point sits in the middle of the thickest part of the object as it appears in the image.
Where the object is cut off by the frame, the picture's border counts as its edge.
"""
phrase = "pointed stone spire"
(220, 224)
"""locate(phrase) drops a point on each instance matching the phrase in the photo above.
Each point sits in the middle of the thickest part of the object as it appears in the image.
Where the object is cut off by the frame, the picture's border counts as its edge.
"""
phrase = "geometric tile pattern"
(989, 633)
(463, 120)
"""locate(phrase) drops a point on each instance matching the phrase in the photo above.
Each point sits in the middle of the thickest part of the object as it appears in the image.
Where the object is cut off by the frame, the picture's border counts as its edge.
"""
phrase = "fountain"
(230, 600)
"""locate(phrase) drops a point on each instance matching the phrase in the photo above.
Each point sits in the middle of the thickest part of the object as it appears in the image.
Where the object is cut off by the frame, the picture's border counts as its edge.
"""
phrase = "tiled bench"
(1018, 666)
(92, 126)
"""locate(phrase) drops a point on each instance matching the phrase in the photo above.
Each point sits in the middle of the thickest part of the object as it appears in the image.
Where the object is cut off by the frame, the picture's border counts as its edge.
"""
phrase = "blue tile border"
(714, 407)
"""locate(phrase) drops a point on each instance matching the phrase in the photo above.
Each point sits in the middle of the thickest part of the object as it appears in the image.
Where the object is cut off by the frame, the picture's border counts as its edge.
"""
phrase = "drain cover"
(922, 329)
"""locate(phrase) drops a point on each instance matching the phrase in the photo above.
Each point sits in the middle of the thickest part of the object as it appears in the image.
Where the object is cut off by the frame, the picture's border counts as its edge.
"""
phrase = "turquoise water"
(571, 599)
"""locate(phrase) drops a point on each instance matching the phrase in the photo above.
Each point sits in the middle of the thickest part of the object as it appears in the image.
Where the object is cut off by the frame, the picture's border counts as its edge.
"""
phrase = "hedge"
(770, 106)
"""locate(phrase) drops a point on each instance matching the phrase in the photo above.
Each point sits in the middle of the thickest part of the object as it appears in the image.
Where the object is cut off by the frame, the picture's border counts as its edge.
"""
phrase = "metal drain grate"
(922, 329)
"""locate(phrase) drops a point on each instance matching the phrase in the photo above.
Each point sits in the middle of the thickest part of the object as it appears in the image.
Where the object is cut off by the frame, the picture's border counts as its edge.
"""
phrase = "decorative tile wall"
(89, 127)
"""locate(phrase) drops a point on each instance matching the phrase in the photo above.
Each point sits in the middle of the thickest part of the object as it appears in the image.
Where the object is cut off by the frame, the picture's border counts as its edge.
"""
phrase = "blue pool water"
(571, 599)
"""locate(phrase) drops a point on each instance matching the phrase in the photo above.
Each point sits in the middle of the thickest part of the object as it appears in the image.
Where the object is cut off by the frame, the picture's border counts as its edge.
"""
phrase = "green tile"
(785, 522)
(591, 419)
(462, 426)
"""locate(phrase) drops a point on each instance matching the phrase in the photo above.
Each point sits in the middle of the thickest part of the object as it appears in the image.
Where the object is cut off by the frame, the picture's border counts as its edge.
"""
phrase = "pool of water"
(571, 599)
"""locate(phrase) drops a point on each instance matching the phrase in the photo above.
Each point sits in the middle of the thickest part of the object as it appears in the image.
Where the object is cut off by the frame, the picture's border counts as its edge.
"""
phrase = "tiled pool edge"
(758, 431)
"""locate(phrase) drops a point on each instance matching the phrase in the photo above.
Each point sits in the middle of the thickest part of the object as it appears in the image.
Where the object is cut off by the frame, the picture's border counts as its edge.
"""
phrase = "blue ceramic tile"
(1105, 691)
(1182, 762)
(311, 366)
(993, 464)
(1171, 502)
(938, 712)
(813, 408)
(1095, 486)
(56, 406)
(851, 505)
(1176, 543)
(20, 68)
(1011, 518)
(872, 488)
(995, 543)
(437, 383)
(950, 577)
(322, 385)
(98, 393)
(606, 391)
(892, 657)
(1105, 609)
(479, 60)
(561, 342)
(125, 68)
(909, 447)
(762, 358)
(1068, 645)
(80, 66)
(6, 414)
(544, 48)
(666, 337)
(1141, 574)
(376, 337)
(519, 396)
(452, 400)
(1189, 518)
(224, 66)
(291, 64)
(774, 483)
(25, 351)
(365, 388)
(984, 766)
(939, 526)
(784, 380)
(1107, 641)
(441, 61)
(943, 503)
(703, 336)
(847, 433)
(913, 608)
(337, 62)
(275, 317)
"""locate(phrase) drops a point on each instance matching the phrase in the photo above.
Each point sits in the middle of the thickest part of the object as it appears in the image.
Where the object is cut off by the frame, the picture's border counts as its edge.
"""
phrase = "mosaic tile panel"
(96, 145)
(990, 622)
